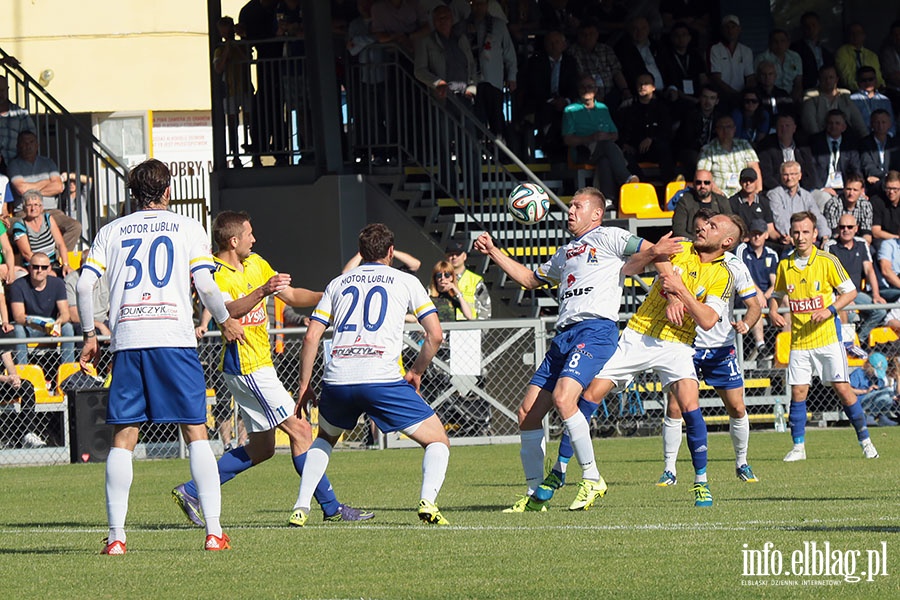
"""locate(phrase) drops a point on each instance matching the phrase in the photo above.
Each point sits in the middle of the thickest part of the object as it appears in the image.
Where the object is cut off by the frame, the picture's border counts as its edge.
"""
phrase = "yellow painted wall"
(115, 55)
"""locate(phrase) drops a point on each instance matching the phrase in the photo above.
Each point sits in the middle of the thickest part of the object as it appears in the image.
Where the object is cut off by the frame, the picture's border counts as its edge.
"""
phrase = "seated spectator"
(774, 100)
(850, 201)
(697, 197)
(781, 147)
(731, 62)
(879, 153)
(751, 119)
(886, 211)
(600, 62)
(875, 395)
(646, 132)
(495, 62)
(38, 232)
(30, 171)
(788, 64)
(697, 128)
(790, 198)
(812, 53)
(638, 53)
(762, 262)
(853, 55)
(13, 120)
(683, 69)
(101, 303)
(818, 104)
(868, 99)
(40, 309)
(853, 252)
(752, 205)
(834, 155)
(725, 157)
(445, 294)
(889, 267)
(590, 134)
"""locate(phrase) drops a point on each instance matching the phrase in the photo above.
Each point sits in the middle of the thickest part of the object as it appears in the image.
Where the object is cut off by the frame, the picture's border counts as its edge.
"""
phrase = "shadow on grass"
(42, 551)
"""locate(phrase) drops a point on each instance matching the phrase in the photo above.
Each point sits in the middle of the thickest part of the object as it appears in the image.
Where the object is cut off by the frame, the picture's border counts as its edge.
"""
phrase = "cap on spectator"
(455, 247)
(731, 19)
(748, 174)
(758, 226)
(879, 363)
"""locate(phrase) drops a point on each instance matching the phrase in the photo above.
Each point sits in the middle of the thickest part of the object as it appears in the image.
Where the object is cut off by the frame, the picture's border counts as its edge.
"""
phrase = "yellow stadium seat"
(640, 200)
(672, 188)
(35, 375)
(882, 335)
(852, 361)
(782, 349)
(74, 259)
(65, 371)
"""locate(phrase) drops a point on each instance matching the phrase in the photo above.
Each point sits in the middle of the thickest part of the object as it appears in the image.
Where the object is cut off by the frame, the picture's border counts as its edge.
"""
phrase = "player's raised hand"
(672, 284)
(484, 243)
(277, 283)
(232, 330)
(668, 245)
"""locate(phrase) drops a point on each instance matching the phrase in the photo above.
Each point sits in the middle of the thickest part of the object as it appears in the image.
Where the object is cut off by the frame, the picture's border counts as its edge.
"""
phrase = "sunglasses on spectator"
(846, 226)
(40, 267)
(443, 275)
(702, 182)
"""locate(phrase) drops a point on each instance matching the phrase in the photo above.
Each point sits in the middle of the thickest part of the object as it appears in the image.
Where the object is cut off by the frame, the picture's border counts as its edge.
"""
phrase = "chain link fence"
(475, 384)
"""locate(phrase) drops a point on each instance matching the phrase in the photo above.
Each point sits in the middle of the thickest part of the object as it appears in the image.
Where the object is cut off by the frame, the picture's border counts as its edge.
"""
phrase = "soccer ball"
(528, 203)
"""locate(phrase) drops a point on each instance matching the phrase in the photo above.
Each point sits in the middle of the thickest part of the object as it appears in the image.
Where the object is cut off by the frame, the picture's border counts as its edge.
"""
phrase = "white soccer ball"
(528, 203)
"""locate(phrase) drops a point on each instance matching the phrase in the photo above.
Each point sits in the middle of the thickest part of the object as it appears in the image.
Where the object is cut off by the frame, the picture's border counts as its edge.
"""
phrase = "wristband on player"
(833, 310)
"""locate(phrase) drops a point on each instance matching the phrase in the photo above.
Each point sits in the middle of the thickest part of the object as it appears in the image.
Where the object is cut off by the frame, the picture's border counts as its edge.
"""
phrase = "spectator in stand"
(775, 100)
(751, 119)
(445, 294)
(834, 154)
(683, 70)
(700, 196)
(590, 134)
(731, 62)
(697, 128)
(230, 60)
(75, 199)
(13, 120)
(37, 232)
(868, 99)
(753, 205)
(890, 63)
(524, 25)
(646, 132)
(781, 147)
(812, 53)
(550, 85)
(850, 201)
(600, 61)
(790, 198)
(444, 61)
(878, 153)
(889, 266)
(853, 55)
(726, 157)
(30, 171)
(886, 211)
(818, 103)
(470, 284)
(788, 64)
(762, 262)
(875, 394)
(853, 252)
(638, 53)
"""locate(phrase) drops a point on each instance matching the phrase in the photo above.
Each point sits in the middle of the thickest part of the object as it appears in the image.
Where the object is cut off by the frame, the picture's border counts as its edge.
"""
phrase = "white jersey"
(722, 333)
(588, 271)
(367, 307)
(148, 257)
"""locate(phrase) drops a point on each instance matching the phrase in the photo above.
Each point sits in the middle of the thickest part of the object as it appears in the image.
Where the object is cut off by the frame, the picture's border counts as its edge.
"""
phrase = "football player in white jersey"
(368, 307)
(590, 272)
(715, 360)
(149, 258)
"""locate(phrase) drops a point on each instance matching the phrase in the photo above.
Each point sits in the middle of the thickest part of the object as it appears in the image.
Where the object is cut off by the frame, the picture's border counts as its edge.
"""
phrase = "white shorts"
(893, 315)
(261, 397)
(636, 352)
(829, 363)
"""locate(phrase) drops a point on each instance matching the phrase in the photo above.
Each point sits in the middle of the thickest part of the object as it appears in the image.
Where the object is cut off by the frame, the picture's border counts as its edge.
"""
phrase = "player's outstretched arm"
(212, 299)
(433, 337)
(308, 353)
(300, 297)
(519, 272)
(652, 253)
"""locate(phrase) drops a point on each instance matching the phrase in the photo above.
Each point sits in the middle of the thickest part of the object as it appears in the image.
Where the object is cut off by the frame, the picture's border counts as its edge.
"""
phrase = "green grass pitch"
(639, 542)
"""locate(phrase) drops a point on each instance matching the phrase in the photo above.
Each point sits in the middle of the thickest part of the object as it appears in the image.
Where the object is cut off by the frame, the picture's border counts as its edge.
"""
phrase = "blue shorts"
(391, 406)
(579, 352)
(719, 367)
(160, 385)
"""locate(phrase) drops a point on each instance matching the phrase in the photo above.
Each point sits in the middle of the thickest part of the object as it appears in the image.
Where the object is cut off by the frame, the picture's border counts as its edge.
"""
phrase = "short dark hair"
(803, 215)
(836, 112)
(854, 176)
(147, 182)
(742, 230)
(864, 70)
(228, 224)
(597, 197)
(375, 240)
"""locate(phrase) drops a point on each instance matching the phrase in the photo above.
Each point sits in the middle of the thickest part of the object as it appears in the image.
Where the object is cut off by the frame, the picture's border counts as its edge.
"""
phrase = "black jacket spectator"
(848, 158)
(771, 157)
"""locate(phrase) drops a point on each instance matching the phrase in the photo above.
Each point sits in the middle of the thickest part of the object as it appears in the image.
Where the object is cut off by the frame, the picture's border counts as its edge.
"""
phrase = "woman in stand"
(38, 232)
(445, 294)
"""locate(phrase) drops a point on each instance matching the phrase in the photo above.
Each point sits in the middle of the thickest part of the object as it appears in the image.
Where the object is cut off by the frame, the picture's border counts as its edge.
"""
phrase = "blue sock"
(232, 462)
(588, 409)
(797, 420)
(856, 415)
(324, 493)
(695, 430)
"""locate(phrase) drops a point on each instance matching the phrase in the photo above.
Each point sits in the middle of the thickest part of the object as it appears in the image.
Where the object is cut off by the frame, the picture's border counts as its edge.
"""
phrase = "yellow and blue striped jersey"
(711, 283)
(808, 290)
(256, 352)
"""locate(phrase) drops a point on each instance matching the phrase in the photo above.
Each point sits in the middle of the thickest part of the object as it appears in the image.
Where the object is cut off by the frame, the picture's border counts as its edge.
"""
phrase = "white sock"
(205, 474)
(317, 458)
(580, 434)
(671, 437)
(532, 453)
(740, 438)
(434, 468)
(119, 474)
(700, 478)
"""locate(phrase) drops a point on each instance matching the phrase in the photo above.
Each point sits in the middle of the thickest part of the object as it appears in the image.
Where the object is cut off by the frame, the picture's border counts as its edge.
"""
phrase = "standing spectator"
(850, 201)
(598, 60)
(818, 103)
(834, 154)
(889, 267)
(683, 70)
(697, 128)
(788, 64)
(638, 53)
(762, 263)
(30, 171)
(878, 153)
(813, 54)
(731, 62)
(775, 100)
(781, 147)
(751, 119)
(230, 60)
(39, 308)
(870, 384)
(886, 211)
(751, 205)
(444, 61)
(790, 198)
(646, 133)
(853, 55)
(853, 252)
(470, 284)
(38, 232)
(725, 157)
(13, 120)
(868, 99)
(445, 294)
(495, 64)
(700, 196)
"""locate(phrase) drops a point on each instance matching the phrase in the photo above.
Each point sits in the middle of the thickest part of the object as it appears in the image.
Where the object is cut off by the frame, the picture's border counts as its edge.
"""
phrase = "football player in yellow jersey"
(817, 288)
(692, 290)
(247, 279)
